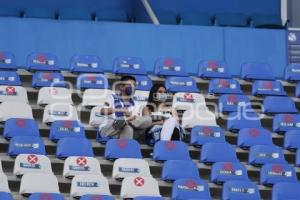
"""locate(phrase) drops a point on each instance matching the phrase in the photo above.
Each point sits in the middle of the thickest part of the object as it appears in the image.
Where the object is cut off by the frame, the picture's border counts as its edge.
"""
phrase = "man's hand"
(125, 111)
(131, 118)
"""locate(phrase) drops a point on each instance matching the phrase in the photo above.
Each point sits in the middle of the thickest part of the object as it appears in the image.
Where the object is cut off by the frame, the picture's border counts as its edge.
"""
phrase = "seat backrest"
(233, 103)
(170, 150)
(266, 21)
(256, 71)
(178, 169)
(95, 197)
(263, 154)
(218, 152)
(277, 104)
(92, 81)
(249, 137)
(283, 191)
(4, 183)
(20, 127)
(187, 101)
(240, 190)
(86, 63)
(297, 91)
(143, 83)
(240, 120)
(129, 65)
(41, 196)
(271, 174)
(228, 171)
(134, 186)
(60, 111)
(181, 84)
(26, 145)
(15, 110)
(292, 140)
(122, 148)
(64, 128)
(11, 78)
(7, 60)
(298, 158)
(42, 62)
(201, 135)
(286, 122)
(13, 93)
(231, 19)
(261, 87)
(224, 86)
(69, 147)
(292, 72)
(49, 95)
(170, 67)
(6, 196)
(213, 69)
(192, 118)
(47, 79)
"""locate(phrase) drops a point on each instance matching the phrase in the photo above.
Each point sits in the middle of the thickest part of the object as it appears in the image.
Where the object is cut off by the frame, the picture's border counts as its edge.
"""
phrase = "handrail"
(150, 12)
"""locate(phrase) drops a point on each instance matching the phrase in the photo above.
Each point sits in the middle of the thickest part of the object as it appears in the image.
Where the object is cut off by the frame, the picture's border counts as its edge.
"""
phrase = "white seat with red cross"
(49, 95)
(13, 93)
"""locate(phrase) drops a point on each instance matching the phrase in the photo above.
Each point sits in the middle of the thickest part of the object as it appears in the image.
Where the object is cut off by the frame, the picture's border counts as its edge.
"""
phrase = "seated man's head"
(127, 86)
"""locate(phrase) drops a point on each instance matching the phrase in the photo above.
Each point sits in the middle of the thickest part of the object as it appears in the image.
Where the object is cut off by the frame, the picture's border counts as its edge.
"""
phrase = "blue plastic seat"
(249, 137)
(275, 104)
(74, 147)
(7, 61)
(170, 150)
(42, 62)
(92, 81)
(10, 78)
(39, 12)
(256, 71)
(213, 69)
(6, 196)
(297, 92)
(286, 191)
(240, 120)
(292, 72)
(292, 140)
(129, 65)
(298, 158)
(74, 14)
(181, 84)
(46, 196)
(122, 148)
(143, 83)
(190, 189)
(148, 198)
(96, 197)
(238, 190)
(47, 79)
(224, 86)
(170, 67)
(231, 19)
(228, 171)
(112, 15)
(286, 122)
(179, 169)
(218, 152)
(196, 18)
(61, 129)
(233, 103)
(265, 88)
(271, 174)
(263, 154)
(26, 145)
(86, 63)
(201, 135)
(20, 127)
(266, 21)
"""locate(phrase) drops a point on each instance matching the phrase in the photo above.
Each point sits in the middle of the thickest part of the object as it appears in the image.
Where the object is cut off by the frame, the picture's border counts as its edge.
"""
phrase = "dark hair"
(127, 78)
(154, 89)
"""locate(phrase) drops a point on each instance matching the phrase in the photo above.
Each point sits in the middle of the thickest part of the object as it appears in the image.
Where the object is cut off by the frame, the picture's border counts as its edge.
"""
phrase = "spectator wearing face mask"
(165, 122)
(119, 112)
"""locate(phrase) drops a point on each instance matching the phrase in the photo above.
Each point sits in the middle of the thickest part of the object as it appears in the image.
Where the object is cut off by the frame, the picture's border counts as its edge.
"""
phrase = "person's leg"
(168, 129)
(126, 132)
(106, 128)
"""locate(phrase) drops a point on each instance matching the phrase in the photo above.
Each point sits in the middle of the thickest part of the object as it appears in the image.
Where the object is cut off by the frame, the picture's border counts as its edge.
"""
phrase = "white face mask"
(161, 97)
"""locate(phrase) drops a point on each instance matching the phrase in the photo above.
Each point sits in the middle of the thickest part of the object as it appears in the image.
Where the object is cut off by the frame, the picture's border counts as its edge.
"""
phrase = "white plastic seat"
(15, 110)
(4, 183)
(192, 118)
(59, 111)
(187, 101)
(140, 100)
(38, 183)
(89, 184)
(125, 167)
(95, 97)
(29, 163)
(13, 93)
(76, 165)
(49, 95)
(95, 117)
(134, 186)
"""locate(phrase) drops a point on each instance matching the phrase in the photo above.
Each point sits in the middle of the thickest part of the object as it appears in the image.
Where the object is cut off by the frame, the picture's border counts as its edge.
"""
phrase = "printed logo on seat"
(207, 131)
(122, 143)
(46, 196)
(67, 124)
(170, 145)
(53, 91)
(96, 197)
(21, 123)
(253, 132)
(232, 99)
(81, 161)
(188, 96)
(277, 169)
(268, 85)
(2, 57)
(41, 58)
(223, 83)
(139, 181)
(213, 66)
(190, 183)
(32, 159)
(228, 167)
(288, 118)
(10, 90)
(47, 76)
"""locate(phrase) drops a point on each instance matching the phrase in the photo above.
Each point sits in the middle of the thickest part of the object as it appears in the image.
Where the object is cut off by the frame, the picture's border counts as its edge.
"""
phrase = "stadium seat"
(271, 174)
(125, 167)
(6, 196)
(201, 135)
(283, 191)
(11, 78)
(256, 71)
(89, 184)
(86, 64)
(59, 111)
(15, 110)
(31, 183)
(190, 189)
(237, 190)
(20, 127)
(112, 15)
(227, 171)
(249, 137)
(195, 18)
(69, 147)
(292, 140)
(49, 95)
(42, 62)
(47, 79)
(266, 21)
(292, 73)
(231, 19)
(148, 198)
(26, 145)
(95, 197)
(129, 65)
(263, 154)
(4, 183)
(297, 92)
(240, 120)
(61, 129)
(213, 69)
(170, 150)
(170, 67)
(179, 169)
(13, 93)
(275, 105)
(95, 97)
(70, 13)
(92, 81)
(181, 84)
(298, 158)
(218, 152)
(96, 118)
(201, 117)
(76, 165)
(265, 88)
(286, 122)
(224, 86)
(122, 148)
(50, 196)
(185, 101)
(31, 163)
(134, 186)
(142, 91)
(233, 103)
(7, 61)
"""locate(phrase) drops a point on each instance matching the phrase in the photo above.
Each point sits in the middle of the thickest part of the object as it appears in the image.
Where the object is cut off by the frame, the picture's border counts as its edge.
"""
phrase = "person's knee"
(127, 132)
